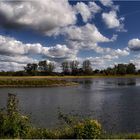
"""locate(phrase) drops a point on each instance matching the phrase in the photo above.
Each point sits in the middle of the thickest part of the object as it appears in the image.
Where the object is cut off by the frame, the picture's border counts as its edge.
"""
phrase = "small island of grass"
(30, 82)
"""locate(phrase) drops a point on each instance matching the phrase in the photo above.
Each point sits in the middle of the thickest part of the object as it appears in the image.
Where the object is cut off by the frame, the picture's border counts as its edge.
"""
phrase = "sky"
(105, 32)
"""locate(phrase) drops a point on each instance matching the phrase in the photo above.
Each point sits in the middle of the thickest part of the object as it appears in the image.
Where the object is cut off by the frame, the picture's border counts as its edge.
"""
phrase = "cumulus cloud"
(112, 21)
(136, 61)
(11, 46)
(59, 51)
(11, 66)
(101, 62)
(17, 51)
(87, 32)
(14, 54)
(111, 18)
(107, 2)
(40, 15)
(134, 44)
(87, 11)
(54, 17)
(17, 59)
(119, 52)
(107, 60)
(86, 37)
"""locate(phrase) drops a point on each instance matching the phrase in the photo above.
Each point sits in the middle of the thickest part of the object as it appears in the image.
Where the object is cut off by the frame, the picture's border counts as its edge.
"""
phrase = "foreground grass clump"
(80, 129)
(33, 83)
(14, 125)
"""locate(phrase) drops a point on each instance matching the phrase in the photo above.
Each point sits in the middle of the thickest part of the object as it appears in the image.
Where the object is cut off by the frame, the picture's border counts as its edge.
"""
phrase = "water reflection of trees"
(126, 82)
(87, 83)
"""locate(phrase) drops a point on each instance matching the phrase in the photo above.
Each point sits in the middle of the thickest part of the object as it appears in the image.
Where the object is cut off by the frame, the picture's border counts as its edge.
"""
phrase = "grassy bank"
(15, 125)
(33, 82)
(49, 81)
(70, 77)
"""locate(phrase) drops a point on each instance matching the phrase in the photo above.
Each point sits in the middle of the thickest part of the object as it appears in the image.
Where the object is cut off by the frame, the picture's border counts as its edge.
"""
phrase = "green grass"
(122, 136)
(30, 82)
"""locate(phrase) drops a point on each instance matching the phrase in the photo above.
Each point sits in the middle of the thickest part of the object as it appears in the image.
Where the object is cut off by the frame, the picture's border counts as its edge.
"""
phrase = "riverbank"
(33, 82)
(122, 136)
(70, 77)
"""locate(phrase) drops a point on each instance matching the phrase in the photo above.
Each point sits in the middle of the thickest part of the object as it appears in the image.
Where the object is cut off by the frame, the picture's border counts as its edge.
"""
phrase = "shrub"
(88, 129)
(84, 129)
(12, 123)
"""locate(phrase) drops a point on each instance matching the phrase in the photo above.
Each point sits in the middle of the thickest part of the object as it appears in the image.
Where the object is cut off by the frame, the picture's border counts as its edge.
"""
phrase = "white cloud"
(136, 61)
(112, 21)
(11, 66)
(87, 32)
(59, 51)
(41, 15)
(16, 54)
(87, 11)
(18, 59)
(54, 17)
(120, 52)
(107, 2)
(16, 51)
(86, 37)
(11, 46)
(134, 44)
(107, 60)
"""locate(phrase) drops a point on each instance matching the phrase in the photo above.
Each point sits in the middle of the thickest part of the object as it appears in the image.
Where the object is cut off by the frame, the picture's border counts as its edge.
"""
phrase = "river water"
(115, 102)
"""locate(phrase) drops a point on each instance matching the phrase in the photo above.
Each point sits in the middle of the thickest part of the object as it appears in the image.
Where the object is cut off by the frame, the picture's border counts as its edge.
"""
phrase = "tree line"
(67, 67)
(74, 67)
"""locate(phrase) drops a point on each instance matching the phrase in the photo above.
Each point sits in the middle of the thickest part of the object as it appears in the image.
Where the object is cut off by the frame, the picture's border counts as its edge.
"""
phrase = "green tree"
(121, 69)
(131, 69)
(43, 65)
(31, 68)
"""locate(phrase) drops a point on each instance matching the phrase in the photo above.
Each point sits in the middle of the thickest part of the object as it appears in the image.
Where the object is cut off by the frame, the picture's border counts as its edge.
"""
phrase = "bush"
(12, 123)
(84, 129)
(88, 129)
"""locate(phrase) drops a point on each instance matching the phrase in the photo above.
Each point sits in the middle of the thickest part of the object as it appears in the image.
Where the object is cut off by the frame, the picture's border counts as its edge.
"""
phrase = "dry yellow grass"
(68, 77)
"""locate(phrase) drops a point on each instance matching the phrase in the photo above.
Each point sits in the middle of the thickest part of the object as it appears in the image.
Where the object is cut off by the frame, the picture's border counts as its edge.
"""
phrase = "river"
(115, 102)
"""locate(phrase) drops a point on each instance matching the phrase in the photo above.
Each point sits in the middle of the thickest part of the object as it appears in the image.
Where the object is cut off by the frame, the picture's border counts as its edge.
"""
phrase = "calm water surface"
(114, 102)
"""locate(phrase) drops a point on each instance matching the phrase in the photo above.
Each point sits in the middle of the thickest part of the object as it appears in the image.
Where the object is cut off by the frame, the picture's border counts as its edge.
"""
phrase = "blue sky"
(106, 32)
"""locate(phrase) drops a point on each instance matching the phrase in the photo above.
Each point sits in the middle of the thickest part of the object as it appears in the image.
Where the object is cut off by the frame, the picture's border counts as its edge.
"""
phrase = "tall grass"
(33, 83)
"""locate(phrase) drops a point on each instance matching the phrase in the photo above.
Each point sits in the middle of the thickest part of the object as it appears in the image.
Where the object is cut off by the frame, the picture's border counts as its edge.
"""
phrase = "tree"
(51, 67)
(65, 67)
(74, 67)
(31, 68)
(43, 65)
(121, 69)
(87, 67)
(131, 69)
